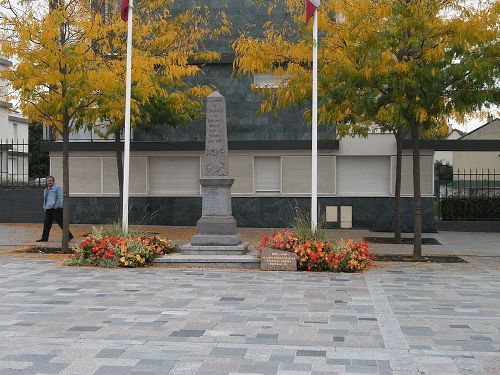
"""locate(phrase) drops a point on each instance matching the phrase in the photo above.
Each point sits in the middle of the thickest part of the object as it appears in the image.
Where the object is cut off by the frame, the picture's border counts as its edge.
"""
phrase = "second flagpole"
(314, 151)
(126, 152)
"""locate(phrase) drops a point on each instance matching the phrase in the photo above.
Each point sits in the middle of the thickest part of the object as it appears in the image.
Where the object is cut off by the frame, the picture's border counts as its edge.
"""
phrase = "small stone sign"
(277, 260)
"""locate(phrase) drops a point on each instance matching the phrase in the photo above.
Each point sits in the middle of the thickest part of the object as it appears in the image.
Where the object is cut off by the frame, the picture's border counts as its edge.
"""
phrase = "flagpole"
(314, 152)
(126, 153)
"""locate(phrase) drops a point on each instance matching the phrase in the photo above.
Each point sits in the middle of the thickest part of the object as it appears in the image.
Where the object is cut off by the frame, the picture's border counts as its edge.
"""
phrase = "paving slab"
(395, 318)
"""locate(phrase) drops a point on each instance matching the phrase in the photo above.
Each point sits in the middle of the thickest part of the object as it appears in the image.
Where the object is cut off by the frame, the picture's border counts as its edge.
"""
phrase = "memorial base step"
(247, 261)
(191, 249)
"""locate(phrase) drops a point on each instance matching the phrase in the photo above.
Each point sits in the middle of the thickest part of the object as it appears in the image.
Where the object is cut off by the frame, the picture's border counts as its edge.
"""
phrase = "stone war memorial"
(217, 243)
(217, 226)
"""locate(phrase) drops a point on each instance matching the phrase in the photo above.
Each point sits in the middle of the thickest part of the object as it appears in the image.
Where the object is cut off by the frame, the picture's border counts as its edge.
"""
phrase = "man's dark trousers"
(52, 214)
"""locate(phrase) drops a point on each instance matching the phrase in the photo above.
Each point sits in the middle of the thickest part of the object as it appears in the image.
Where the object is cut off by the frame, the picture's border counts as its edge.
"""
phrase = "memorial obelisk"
(217, 227)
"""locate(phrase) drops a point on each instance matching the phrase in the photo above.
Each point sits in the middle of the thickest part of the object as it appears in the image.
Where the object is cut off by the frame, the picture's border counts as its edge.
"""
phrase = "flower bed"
(99, 249)
(343, 255)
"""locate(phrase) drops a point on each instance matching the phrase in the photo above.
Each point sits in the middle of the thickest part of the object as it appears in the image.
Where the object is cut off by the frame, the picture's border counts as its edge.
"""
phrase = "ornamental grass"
(344, 255)
(109, 250)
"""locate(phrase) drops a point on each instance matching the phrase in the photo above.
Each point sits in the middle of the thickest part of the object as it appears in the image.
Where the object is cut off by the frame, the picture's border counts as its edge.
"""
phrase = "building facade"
(479, 160)
(13, 136)
(269, 159)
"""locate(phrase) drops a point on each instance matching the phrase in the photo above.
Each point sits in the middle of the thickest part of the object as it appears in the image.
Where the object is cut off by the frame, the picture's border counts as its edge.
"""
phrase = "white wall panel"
(297, 175)
(84, 174)
(267, 172)
(137, 176)
(174, 175)
(426, 175)
(241, 169)
(363, 175)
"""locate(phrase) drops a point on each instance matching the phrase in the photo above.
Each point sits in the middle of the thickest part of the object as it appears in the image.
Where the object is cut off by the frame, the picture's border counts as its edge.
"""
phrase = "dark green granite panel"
(244, 122)
(21, 205)
(243, 119)
(264, 212)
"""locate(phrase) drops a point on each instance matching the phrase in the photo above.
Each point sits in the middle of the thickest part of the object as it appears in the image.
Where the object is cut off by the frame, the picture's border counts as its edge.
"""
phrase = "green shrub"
(302, 227)
(470, 208)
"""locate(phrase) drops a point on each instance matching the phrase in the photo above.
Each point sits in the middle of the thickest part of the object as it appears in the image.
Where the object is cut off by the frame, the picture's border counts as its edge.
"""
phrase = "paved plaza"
(396, 318)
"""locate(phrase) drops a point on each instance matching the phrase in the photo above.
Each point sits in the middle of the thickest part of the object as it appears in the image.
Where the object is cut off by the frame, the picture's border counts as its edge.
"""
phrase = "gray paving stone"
(110, 353)
(84, 328)
(113, 370)
(188, 333)
(307, 367)
(361, 370)
(265, 368)
(311, 353)
(225, 352)
(48, 367)
(398, 319)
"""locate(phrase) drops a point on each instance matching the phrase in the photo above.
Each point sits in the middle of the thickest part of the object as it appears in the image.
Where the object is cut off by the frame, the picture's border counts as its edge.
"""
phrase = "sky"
(474, 122)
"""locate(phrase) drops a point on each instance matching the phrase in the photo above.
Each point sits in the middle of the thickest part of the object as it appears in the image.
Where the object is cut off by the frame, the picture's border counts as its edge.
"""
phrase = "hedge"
(461, 208)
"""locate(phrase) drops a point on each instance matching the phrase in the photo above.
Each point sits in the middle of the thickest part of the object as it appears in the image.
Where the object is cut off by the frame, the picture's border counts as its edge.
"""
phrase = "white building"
(446, 157)
(13, 136)
(479, 160)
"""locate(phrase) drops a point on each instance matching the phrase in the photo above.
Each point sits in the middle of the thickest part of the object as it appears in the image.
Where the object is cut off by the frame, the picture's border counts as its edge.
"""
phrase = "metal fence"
(471, 195)
(470, 183)
(22, 164)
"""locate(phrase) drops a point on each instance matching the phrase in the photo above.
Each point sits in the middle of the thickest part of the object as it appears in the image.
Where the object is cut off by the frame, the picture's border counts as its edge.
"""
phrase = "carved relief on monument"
(215, 162)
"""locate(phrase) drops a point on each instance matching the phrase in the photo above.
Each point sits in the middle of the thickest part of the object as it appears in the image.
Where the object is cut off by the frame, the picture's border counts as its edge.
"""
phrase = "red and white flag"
(311, 6)
(125, 6)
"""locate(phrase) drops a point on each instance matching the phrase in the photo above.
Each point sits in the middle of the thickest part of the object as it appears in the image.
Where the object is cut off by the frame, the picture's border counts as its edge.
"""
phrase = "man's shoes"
(42, 240)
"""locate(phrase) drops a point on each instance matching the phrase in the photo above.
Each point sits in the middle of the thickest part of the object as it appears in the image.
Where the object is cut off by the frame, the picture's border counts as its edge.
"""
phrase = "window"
(266, 80)
(267, 171)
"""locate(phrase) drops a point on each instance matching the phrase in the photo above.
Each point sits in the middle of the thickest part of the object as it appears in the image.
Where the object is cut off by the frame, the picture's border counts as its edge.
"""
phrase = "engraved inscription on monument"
(277, 260)
(216, 160)
(214, 202)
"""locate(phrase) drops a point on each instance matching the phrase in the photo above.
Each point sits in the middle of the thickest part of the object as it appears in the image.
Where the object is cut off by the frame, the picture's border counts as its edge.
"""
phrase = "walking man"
(53, 206)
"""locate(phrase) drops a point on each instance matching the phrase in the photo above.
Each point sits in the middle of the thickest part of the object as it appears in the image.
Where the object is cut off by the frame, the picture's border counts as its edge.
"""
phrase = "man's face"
(50, 182)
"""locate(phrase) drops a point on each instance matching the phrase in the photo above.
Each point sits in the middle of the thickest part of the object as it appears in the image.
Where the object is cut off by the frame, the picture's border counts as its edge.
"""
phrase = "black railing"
(470, 183)
(470, 195)
(22, 164)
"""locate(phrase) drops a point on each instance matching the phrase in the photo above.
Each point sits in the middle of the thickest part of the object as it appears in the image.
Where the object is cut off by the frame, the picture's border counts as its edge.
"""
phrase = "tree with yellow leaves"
(168, 48)
(71, 65)
(55, 75)
(405, 63)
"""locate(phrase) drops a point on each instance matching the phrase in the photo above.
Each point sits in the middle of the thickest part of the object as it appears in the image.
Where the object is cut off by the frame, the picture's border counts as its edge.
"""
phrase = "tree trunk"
(119, 168)
(65, 238)
(397, 188)
(417, 202)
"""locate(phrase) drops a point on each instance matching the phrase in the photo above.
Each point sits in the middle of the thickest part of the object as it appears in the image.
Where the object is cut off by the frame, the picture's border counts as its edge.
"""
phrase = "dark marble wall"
(243, 119)
(21, 205)
(25, 206)
(245, 16)
(244, 123)
(369, 213)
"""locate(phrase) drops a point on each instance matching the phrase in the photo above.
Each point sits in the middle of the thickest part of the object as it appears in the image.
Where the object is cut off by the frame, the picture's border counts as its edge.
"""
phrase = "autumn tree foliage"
(55, 76)
(168, 50)
(400, 64)
(70, 70)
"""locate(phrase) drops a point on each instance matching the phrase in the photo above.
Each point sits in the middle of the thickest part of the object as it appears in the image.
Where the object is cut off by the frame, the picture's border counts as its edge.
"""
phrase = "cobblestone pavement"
(399, 319)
